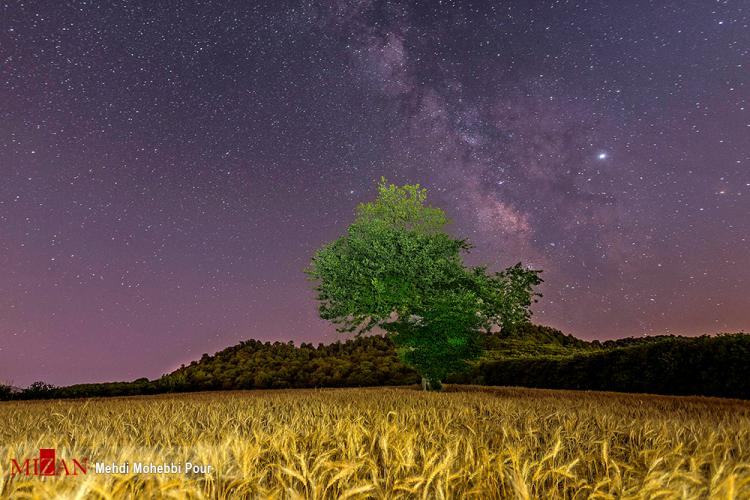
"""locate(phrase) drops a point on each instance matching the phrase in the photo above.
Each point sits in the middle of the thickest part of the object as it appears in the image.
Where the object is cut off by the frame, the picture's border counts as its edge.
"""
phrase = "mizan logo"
(47, 464)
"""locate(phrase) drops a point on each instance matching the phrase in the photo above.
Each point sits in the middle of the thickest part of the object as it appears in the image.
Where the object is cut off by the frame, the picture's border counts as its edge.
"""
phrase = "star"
(171, 158)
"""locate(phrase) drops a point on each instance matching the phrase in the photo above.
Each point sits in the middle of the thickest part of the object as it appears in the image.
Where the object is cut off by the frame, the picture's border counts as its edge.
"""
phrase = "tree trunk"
(431, 384)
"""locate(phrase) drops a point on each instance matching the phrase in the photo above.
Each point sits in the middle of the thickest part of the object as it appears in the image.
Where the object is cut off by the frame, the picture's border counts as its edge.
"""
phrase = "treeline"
(530, 356)
(365, 361)
(707, 366)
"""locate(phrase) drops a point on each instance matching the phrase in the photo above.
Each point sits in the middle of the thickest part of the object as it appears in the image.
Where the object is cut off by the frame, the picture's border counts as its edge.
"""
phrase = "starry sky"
(167, 169)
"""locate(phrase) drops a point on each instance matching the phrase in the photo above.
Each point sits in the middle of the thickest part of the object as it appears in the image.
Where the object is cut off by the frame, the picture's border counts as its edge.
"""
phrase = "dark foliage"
(540, 334)
(38, 390)
(527, 355)
(707, 366)
(365, 361)
(6, 392)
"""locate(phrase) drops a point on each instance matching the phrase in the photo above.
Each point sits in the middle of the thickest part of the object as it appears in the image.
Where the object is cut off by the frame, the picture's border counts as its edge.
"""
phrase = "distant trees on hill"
(707, 365)
(527, 355)
(256, 365)
(366, 361)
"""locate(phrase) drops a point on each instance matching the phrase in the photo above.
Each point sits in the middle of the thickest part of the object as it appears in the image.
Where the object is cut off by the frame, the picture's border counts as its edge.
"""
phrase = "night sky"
(166, 170)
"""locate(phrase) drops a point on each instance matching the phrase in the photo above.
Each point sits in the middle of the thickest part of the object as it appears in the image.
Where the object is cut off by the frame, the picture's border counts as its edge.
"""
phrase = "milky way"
(166, 170)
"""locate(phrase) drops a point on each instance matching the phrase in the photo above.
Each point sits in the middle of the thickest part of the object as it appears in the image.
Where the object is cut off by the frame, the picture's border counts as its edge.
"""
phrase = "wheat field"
(468, 442)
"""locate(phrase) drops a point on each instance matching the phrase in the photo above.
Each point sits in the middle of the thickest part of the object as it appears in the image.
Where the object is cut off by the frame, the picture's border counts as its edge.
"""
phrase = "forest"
(527, 355)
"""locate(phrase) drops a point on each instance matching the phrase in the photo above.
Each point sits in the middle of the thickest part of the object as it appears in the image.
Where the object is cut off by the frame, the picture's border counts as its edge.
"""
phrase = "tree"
(38, 390)
(6, 391)
(398, 269)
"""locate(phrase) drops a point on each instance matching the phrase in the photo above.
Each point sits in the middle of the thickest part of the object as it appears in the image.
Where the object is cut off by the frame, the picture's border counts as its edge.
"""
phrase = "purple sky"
(166, 171)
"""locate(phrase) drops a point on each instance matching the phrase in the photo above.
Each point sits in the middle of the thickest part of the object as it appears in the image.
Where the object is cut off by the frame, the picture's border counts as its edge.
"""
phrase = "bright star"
(602, 156)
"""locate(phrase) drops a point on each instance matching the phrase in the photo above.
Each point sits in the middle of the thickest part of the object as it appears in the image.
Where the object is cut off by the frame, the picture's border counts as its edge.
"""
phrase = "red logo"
(47, 464)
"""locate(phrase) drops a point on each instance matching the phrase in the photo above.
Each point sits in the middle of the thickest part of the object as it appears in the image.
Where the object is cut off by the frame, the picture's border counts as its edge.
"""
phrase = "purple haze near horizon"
(166, 171)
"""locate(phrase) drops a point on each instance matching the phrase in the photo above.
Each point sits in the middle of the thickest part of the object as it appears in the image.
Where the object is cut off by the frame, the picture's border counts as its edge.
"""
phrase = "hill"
(528, 355)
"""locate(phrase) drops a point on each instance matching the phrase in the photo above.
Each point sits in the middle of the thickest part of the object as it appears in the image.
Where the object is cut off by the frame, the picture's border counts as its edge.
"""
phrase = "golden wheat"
(469, 442)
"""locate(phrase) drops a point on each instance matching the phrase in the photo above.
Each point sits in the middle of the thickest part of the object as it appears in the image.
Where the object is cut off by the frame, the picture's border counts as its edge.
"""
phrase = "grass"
(469, 442)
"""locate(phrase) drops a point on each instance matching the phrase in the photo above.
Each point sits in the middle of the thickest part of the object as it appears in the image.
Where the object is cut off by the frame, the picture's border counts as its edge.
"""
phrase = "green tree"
(398, 269)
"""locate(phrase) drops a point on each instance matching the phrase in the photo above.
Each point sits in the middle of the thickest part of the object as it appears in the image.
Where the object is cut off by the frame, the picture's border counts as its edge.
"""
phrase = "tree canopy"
(398, 269)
